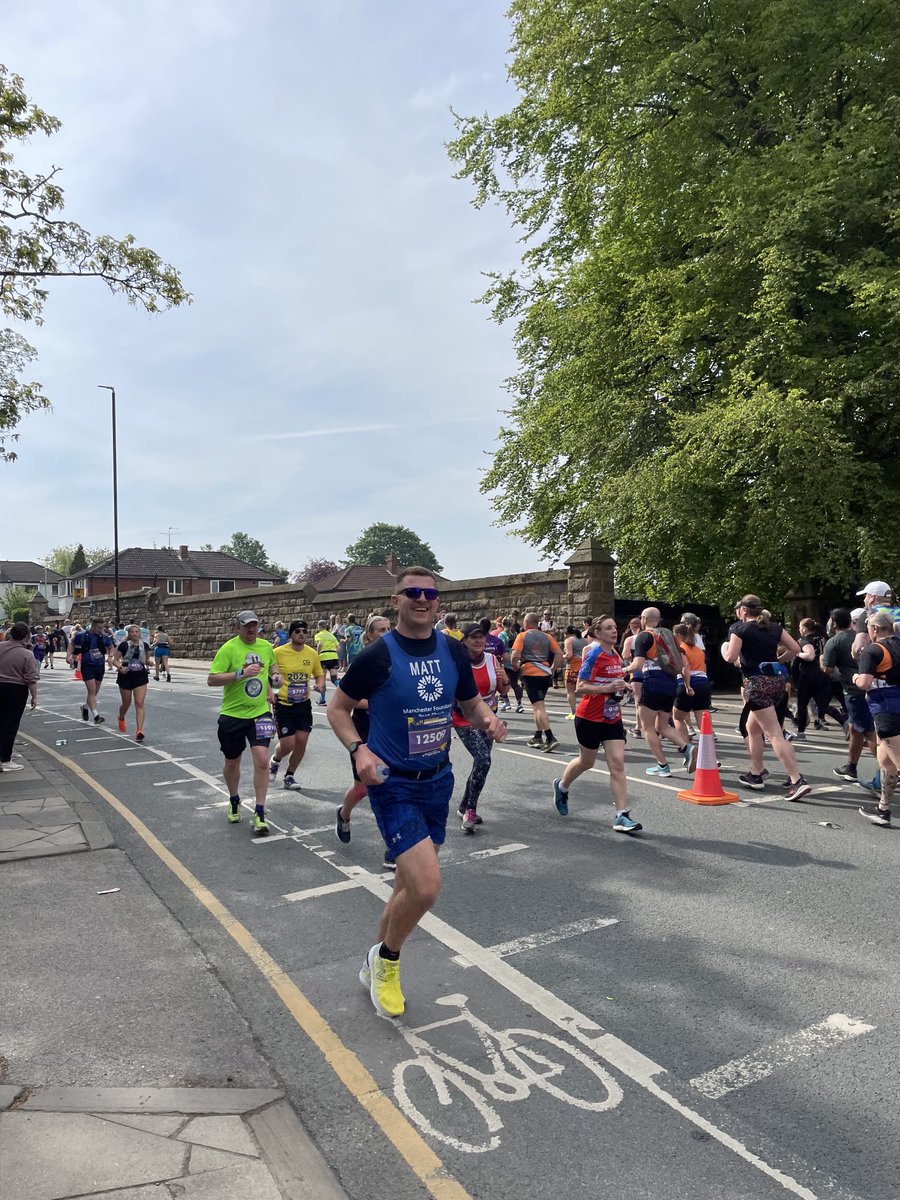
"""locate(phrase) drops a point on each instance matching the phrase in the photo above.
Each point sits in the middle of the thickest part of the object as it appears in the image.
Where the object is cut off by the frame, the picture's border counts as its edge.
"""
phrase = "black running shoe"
(342, 828)
(798, 789)
(85, 713)
(847, 771)
(878, 816)
(748, 779)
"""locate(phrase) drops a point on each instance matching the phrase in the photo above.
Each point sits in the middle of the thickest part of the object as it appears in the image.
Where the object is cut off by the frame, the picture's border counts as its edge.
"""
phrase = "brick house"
(180, 572)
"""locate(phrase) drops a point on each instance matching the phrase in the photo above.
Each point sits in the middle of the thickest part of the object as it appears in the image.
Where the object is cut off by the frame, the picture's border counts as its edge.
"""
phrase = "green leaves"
(707, 311)
(379, 540)
(37, 244)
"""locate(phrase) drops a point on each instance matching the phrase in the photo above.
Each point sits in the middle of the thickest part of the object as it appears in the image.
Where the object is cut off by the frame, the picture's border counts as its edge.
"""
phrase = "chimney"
(182, 552)
(391, 563)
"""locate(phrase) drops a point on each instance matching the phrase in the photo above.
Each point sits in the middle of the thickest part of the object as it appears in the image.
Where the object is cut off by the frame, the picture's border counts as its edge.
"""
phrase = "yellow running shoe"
(384, 984)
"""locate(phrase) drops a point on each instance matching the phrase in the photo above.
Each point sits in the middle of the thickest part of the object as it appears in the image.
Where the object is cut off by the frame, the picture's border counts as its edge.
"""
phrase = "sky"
(334, 368)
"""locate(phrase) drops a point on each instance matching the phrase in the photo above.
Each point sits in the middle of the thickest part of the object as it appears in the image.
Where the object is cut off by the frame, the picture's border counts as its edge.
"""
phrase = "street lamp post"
(107, 388)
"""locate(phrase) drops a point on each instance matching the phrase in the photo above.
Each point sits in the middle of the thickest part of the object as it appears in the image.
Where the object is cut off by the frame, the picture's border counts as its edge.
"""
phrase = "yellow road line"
(421, 1159)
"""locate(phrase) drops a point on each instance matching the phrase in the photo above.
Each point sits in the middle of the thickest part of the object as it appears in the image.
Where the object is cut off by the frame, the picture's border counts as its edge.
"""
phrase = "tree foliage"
(379, 540)
(316, 569)
(63, 558)
(37, 244)
(707, 312)
(251, 550)
(15, 600)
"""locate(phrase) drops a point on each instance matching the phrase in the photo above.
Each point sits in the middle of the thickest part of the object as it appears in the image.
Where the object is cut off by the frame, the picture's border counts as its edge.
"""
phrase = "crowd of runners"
(403, 688)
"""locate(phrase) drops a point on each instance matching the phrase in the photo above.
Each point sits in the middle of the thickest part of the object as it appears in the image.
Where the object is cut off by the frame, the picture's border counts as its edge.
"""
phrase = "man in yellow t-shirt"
(329, 650)
(451, 626)
(299, 666)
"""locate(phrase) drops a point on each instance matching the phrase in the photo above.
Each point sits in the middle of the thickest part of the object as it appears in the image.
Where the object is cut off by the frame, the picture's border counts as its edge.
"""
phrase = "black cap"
(471, 630)
(295, 625)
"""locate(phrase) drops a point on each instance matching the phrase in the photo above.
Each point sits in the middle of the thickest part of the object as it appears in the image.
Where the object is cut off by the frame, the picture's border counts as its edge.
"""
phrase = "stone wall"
(198, 625)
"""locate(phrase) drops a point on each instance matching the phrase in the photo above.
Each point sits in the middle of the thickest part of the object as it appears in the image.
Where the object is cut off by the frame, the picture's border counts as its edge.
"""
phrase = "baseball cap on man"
(245, 617)
(295, 625)
(857, 613)
(876, 588)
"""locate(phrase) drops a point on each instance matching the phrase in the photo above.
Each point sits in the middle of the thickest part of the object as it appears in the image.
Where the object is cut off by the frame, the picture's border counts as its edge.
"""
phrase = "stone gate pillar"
(591, 589)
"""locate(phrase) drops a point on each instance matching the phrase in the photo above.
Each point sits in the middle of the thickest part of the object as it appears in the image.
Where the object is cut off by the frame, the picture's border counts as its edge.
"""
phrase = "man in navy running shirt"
(411, 679)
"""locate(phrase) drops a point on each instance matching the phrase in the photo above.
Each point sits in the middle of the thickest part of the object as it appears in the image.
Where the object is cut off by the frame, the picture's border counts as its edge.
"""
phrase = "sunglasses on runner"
(413, 593)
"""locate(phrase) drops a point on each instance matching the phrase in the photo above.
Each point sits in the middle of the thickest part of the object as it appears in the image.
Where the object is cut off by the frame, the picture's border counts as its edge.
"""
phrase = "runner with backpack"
(661, 661)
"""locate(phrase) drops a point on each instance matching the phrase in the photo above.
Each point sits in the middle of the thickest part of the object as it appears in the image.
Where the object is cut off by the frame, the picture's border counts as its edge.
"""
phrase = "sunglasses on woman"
(413, 593)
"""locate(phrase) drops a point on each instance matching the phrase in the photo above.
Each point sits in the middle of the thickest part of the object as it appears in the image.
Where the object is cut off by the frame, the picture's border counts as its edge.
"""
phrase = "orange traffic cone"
(707, 786)
(77, 674)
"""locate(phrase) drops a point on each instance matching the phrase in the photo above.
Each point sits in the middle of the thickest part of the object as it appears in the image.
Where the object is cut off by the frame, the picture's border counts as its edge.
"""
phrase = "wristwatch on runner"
(354, 746)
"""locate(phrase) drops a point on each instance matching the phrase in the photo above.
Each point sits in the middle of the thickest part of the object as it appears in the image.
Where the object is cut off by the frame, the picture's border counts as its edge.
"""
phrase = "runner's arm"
(731, 650)
(480, 716)
(793, 647)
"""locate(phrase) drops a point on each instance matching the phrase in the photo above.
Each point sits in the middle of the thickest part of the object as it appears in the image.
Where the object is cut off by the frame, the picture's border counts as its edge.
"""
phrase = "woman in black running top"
(755, 643)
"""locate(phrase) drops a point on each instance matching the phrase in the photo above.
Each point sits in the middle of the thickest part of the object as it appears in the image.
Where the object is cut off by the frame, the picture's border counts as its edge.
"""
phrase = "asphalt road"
(706, 1010)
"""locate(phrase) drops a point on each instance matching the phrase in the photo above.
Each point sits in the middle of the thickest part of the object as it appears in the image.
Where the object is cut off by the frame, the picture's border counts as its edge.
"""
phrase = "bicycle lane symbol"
(519, 1060)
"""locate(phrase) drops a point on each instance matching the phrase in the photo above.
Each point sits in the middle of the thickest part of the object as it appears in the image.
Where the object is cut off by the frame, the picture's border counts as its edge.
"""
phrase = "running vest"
(536, 651)
(410, 714)
(884, 696)
(486, 682)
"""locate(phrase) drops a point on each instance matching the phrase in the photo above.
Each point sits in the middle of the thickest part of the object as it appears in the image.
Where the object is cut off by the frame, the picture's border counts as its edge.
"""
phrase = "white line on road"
(117, 750)
(172, 782)
(534, 941)
(327, 889)
(782, 1053)
(510, 848)
(267, 841)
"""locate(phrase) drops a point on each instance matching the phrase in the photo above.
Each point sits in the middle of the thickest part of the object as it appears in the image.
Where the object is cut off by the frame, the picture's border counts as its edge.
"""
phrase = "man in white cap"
(876, 596)
(245, 667)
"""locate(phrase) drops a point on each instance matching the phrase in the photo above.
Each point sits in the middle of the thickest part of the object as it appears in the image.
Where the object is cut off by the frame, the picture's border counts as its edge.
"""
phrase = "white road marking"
(273, 837)
(510, 848)
(781, 1053)
(172, 782)
(534, 941)
(560, 763)
(327, 889)
(117, 750)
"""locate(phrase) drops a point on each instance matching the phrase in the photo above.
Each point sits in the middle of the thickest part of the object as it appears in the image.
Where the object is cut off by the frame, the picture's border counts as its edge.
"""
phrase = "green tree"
(251, 550)
(79, 560)
(37, 244)
(61, 558)
(707, 312)
(379, 540)
(15, 602)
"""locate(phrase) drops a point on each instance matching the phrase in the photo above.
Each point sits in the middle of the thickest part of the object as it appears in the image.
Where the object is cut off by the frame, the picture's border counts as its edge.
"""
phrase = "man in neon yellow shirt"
(245, 668)
(329, 650)
(298, 664)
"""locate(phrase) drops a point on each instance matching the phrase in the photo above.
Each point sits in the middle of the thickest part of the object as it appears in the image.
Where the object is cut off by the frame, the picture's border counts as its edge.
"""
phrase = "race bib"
(296, 692)
(95, 655)
(611, 709)
(430, 736)
(135, 666)
(491, 701)
(265, 726)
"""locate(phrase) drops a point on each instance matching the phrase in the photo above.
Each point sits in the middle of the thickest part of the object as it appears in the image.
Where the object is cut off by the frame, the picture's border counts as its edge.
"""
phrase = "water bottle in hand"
(382, 772)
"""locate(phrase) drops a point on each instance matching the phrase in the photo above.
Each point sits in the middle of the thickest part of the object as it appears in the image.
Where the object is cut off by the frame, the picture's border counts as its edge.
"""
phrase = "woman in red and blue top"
(489, 678)
(598, 722)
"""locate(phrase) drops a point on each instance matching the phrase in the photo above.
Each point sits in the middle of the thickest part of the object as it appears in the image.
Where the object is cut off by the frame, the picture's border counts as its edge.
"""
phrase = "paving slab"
(8, 1095)
(292, 1156)
(222, 1133)
(149, 1100)
(204, 1159)
(249, 1181)
(78, 1154)
(164, 1125)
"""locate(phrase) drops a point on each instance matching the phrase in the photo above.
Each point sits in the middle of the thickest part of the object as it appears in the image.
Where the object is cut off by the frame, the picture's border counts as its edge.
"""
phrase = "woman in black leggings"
(812, 682)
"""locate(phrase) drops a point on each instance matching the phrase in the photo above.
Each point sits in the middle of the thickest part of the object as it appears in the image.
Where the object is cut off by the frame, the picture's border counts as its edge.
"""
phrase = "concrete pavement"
(125, 1068)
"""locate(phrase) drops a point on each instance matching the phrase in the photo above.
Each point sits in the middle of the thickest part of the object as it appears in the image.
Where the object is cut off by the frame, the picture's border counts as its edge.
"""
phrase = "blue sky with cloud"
(333, 369)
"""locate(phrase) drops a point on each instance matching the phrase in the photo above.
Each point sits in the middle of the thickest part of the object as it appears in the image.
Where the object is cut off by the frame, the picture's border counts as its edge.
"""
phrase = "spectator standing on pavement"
(19, 674)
